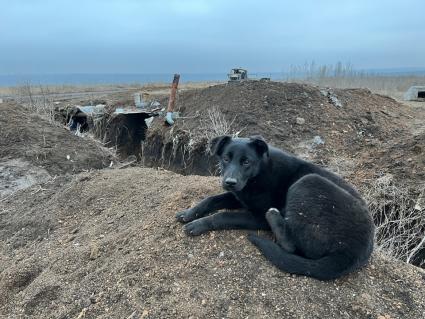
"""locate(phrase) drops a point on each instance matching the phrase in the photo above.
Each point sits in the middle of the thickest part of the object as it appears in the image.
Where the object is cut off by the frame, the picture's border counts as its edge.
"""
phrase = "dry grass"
(344, 76)
(215, 124)
(37, 100)
(399, 216)
(87, 88)
(393, 86)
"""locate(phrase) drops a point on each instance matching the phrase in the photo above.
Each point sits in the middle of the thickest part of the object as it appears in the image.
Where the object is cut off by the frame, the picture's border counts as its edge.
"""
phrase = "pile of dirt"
(106, 245)
(27, 136)
(405, 159)
(330, 127)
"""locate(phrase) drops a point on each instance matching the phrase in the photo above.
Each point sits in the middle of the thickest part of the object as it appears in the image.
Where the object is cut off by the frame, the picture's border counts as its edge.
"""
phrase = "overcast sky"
(207, 36)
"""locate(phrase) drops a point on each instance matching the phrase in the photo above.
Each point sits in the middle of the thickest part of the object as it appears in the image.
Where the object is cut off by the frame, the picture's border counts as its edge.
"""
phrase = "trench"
(126, 132)
(177, 152)
(174, 149)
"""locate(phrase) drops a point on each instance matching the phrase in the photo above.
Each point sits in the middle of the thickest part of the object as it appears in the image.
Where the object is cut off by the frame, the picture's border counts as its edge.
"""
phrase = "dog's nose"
(230, 181)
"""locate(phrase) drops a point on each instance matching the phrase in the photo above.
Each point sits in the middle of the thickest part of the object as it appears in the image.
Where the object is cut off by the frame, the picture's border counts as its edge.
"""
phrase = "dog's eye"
(245, 162)
(226, 158)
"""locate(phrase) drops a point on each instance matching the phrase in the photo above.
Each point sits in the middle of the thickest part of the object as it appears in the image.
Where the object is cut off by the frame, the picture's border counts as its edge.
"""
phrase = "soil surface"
(356, 133)
(77, 242)
(106, 245)
(26, 136)
(16, 174)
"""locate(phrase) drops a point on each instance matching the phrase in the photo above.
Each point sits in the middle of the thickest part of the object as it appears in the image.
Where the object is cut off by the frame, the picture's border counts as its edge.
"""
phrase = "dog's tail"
(326, 268)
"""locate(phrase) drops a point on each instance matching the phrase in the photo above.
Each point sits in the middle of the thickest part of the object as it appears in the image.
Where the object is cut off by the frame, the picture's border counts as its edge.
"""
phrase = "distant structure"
(415, 93)
(237, 75)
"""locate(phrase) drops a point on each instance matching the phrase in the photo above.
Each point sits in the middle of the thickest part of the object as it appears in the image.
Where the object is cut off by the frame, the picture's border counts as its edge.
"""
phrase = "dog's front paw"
(272, 214)
(196, 227)
(186, 216)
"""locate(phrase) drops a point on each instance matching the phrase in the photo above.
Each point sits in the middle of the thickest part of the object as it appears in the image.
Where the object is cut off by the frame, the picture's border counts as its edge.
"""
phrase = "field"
(88, 232)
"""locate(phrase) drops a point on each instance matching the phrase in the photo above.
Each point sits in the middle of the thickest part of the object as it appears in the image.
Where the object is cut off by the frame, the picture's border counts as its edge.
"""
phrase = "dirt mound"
(405, 159)
(106, 245)
(44, 144)
(317, 124)
(357, 134)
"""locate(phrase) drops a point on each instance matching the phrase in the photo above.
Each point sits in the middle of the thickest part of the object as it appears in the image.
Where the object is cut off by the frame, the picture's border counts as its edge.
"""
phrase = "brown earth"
(44, 144)
(359, 136)
(106, 245)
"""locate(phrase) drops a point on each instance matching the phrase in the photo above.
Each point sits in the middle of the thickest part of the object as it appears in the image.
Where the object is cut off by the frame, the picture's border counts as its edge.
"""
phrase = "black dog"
(322, 226)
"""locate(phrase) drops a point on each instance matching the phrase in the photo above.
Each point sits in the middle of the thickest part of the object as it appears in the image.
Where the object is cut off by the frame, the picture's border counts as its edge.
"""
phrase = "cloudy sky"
(207, 36)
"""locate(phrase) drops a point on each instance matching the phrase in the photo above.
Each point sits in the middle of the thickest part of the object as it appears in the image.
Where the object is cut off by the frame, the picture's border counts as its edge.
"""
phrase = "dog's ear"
(217, 144)
(259, 144)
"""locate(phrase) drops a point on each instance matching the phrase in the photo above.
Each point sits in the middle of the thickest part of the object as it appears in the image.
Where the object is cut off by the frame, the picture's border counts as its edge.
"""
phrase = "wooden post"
(174, 86)
(172, 100)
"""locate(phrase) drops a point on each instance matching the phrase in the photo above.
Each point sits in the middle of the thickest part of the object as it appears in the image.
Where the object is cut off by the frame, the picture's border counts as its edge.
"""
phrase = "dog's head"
(240, 159)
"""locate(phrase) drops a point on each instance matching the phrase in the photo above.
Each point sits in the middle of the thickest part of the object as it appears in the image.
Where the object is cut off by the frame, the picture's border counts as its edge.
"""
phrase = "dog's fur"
(322, 226)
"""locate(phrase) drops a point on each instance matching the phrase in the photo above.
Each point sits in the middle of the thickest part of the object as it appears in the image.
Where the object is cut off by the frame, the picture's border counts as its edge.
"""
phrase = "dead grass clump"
(400, 219)
(37, 99)
(215, 124)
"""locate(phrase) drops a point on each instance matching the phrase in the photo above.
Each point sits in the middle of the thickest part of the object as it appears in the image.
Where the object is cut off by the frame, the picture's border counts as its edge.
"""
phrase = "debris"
(94, 251)
(134, 315)
(300, 120)
(71, 238)
(82, 313)
(81, 118)
(415, 93)
(129, 161)
(91, 110)
(333, 99)
(93, 298)
(141, 99)
(122, 110)
(317, 140)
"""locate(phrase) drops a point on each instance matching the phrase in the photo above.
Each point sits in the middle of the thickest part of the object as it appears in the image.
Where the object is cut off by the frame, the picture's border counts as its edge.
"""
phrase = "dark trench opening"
(126, 132)
(421, 95)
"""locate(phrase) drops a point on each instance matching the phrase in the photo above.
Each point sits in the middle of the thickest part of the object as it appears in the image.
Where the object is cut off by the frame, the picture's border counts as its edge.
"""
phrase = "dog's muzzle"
(231, 184)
